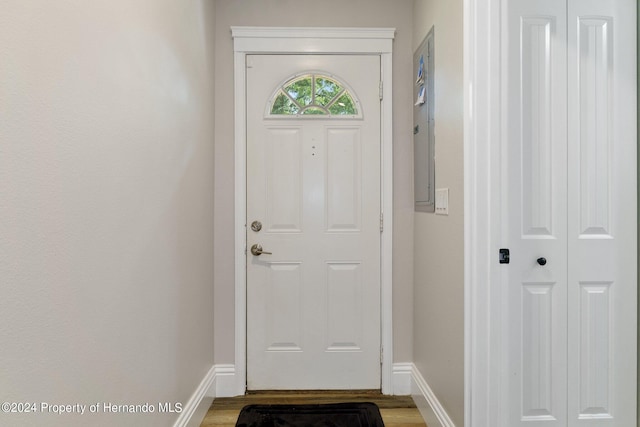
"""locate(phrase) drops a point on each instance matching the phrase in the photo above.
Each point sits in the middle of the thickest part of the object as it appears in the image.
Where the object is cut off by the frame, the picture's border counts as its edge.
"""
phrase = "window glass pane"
(284, 105)
(300, 90)
(326, 90)
(314, 110)
(344, 105)
(313, 95)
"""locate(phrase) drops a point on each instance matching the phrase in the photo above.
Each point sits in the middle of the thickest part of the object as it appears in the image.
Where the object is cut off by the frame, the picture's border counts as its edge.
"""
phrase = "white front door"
(313, 198)
(569, 201)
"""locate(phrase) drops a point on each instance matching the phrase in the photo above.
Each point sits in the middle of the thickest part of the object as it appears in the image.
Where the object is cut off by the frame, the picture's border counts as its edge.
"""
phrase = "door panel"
(602, 212)
(343, 175)
(313, 317)
(283, 180)
(344, 306)
(537, 129)
(282, 285)
(536, 206)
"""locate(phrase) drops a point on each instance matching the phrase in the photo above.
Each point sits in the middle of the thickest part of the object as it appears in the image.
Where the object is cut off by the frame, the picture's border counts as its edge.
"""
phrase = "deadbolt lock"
(256, 226)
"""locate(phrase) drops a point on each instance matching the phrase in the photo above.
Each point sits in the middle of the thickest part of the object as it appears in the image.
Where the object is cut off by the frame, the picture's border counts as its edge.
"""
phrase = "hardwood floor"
(397, 411)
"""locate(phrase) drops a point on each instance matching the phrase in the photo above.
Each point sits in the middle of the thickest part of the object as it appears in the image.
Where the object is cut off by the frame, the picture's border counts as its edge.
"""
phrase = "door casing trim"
(482, 187)
(297, 40)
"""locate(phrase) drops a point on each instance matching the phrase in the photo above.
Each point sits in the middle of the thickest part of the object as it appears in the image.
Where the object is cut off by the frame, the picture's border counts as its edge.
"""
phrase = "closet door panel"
(602, 213)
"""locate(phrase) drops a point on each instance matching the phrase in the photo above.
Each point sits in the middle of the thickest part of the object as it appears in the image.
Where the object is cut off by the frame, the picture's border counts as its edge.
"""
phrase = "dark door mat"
(329, 415)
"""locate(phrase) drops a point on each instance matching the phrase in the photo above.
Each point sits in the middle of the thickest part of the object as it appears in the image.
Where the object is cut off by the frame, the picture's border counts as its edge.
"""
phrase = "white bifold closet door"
(569, 200)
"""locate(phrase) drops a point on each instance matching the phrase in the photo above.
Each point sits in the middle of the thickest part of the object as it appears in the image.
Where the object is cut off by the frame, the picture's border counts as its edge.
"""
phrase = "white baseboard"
(225, 381)
(430, 407)
(401, 375)
(220, 381)
(196, 407)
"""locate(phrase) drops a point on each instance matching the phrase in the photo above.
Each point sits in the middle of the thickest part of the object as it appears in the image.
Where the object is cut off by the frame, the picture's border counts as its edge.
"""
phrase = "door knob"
(257, 250)
(542, 261)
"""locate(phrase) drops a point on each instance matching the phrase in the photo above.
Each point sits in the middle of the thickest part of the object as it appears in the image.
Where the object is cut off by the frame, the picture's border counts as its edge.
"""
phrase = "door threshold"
(373, 392)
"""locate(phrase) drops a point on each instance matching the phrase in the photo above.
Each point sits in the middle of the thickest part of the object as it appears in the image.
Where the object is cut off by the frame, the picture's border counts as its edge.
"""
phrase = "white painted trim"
(312, 40)
(433, 411)
(252, 40)
(402, 373)
(221, 381)
(196, 407)
(482, 140)
(226, 381)
(218, 382)
(240, 154)
(386, 132)
(313, 32)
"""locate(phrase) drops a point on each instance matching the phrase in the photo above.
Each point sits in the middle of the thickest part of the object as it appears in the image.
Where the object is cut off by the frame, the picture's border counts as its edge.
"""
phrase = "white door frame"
(483, 130)
(279, 40)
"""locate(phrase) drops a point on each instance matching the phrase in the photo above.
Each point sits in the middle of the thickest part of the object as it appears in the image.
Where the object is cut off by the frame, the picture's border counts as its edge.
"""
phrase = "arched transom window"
(314, 94)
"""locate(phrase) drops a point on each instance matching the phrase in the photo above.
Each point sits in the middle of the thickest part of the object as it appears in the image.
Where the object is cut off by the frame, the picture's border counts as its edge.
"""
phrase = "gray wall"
(353, 13)
(106, 183)
(439, 240)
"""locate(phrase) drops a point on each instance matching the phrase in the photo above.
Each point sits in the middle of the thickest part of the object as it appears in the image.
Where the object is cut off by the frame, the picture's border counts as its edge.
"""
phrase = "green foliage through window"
(313, 94)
